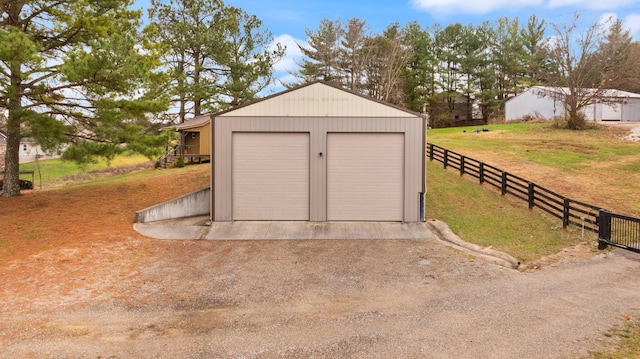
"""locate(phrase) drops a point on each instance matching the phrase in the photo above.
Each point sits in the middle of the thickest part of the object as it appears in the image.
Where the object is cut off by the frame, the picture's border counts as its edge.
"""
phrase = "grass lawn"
(541, 143)
(480, 215)
(596, 166)
(56, 171)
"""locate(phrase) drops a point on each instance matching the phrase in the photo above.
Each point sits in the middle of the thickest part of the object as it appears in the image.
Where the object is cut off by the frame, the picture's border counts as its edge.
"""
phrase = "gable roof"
(318, 99)
(190, 123)
(609, 93)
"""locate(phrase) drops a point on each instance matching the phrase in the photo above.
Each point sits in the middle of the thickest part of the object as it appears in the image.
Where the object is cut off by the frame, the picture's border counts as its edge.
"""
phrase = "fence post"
(445, 161)
(531, 194)
(461, 165)
(481, 172)
(431, 152)
(604, 228)
(565, 213)
(504, 183)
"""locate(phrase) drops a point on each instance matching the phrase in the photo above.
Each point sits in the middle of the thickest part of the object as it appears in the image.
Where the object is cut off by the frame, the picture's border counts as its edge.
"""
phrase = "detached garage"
(318, 153)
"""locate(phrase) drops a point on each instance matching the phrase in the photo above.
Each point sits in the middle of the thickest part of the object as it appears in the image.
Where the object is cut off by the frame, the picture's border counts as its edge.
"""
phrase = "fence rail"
(621, 231)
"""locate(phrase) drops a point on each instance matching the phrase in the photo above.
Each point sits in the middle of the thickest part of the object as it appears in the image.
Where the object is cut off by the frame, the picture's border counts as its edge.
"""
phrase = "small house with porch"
(194, 142)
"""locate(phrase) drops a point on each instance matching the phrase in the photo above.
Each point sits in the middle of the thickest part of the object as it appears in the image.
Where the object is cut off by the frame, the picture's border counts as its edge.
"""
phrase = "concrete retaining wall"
(197, 203)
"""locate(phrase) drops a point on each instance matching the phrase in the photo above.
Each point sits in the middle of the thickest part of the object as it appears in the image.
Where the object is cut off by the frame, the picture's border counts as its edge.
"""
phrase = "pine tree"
(76, 71)
(322, 53)
(217, 55)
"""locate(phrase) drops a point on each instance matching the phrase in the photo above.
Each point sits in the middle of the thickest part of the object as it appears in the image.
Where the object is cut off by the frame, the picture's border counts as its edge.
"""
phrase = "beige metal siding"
(271, 176)
(319, 100)
(365, 176)
(318, 129)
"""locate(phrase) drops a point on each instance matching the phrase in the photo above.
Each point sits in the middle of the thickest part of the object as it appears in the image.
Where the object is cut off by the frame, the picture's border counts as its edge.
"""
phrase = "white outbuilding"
(546, 102)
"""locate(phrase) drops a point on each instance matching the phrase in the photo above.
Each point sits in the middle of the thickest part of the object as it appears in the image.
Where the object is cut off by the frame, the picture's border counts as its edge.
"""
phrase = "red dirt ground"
(45, 224)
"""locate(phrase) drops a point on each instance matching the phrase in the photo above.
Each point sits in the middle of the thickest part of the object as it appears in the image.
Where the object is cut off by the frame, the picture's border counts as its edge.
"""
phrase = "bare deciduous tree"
(577, 68)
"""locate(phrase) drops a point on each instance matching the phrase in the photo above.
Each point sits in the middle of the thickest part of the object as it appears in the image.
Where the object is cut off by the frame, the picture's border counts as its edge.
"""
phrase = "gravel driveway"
(632, 126)
(313, 299)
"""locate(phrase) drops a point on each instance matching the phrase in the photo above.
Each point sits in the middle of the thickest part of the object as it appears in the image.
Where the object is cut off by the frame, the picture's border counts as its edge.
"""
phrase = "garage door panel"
(270, 176)
(365, 176)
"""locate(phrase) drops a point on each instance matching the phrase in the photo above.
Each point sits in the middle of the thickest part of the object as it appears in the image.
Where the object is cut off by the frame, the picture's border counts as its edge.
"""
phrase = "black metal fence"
(618, 230)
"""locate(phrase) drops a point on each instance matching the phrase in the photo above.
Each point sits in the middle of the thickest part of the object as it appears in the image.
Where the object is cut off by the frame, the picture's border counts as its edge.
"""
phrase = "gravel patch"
(318, 299)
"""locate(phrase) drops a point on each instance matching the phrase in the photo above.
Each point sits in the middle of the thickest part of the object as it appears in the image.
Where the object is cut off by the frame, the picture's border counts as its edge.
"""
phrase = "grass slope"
(595, 166)
(56, 171)
(481, 215)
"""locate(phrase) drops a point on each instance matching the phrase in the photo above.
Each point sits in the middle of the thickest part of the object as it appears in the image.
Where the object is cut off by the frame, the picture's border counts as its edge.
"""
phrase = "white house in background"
(545, 102)
(29, 150)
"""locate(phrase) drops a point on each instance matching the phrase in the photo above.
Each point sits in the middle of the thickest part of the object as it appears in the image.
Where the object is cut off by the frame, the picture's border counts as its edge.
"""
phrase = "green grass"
(56, 169)
(482, 216)
(540, 143)
(565, 160)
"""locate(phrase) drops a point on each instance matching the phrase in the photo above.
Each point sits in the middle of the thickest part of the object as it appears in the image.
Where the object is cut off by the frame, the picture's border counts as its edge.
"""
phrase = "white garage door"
(365, 175)
(270, 176)
(612, 112)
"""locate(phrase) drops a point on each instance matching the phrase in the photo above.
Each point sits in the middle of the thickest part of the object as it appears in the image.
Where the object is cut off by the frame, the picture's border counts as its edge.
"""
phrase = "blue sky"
(288, 19)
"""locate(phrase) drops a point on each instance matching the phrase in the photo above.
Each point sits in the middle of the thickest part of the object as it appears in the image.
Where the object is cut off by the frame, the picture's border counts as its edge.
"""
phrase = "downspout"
(213, 158)
(424, 169)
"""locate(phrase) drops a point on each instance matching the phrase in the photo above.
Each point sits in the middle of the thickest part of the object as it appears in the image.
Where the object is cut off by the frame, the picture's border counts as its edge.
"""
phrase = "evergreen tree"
(322, 52)
(532, 38)
(420, 72)
(245, 59)
(473, 51)
(217, 55)
(76, 71)
(352, 54)
(486, 92)
(449, 54)
(614, 52)
(508, 58)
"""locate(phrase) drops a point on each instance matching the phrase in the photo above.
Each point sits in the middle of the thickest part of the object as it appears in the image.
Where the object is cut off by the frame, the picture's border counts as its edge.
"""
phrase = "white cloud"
(606, 20)
(471, 7)
(632, 22)
(293, 54)
(287, 80)
(487, 6)
(591, 4)
(284, 68)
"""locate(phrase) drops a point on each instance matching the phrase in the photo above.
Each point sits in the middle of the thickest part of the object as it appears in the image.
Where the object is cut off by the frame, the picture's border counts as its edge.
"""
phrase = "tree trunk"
(576, 119)
(183, 100)
(11, 186)
(197, 96)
